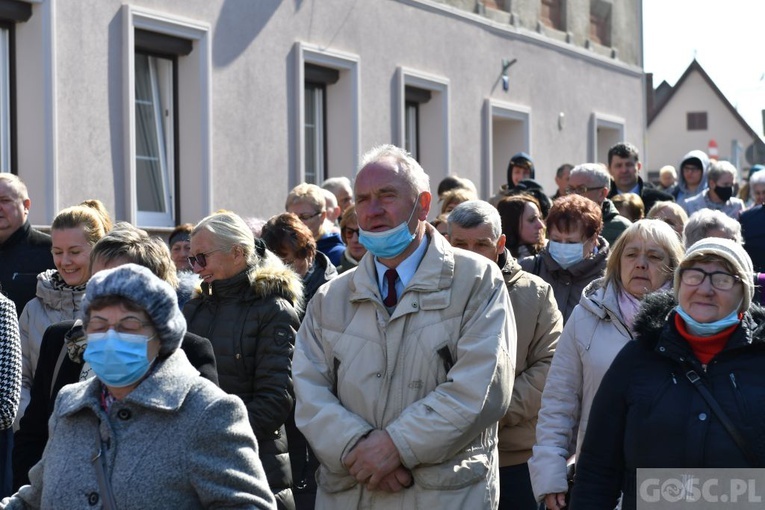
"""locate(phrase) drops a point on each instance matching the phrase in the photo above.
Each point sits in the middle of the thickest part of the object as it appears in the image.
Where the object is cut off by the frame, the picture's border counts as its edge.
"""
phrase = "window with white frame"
(317, 79)
(154, 134)
(11, 12)
(423, 119)
(315, 141)
(327, 124)
(414, 97)
(156, 125)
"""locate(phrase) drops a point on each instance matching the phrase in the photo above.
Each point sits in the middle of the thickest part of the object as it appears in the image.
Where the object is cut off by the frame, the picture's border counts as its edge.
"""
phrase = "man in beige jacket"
(476, 226)
(404, 366)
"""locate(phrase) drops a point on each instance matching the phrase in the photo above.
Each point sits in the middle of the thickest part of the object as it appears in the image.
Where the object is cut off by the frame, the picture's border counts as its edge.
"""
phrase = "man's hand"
(398, 480)
(372, 459)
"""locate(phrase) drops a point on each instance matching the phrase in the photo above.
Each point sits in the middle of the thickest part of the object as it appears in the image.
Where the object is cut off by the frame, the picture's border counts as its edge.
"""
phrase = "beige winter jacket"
(50, 305)
(437, 375)
(591, 339)
(539, 324)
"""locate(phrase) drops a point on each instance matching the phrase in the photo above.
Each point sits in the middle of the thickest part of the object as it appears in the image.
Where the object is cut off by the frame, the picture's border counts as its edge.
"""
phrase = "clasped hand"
(375, 462)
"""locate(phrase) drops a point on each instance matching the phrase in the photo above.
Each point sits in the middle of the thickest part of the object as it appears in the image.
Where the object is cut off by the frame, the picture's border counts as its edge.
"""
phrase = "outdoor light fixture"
(505, 66)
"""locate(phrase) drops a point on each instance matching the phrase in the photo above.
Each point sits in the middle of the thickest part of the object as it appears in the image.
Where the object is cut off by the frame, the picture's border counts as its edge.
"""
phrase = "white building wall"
(254, 134)
(668, 139)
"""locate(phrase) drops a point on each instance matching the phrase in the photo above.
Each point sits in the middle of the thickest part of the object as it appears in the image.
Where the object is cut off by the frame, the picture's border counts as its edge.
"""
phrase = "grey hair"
(409, 168)
(658, 207)
(720, 168)
(596, 172)
(16, 184)
(703, 221)
(757, 179)
(329, 198)
(230, 230)
(475, 213)
(335, 184)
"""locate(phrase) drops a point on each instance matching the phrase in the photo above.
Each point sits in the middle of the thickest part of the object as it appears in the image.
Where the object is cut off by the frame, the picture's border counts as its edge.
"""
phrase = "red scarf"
(704, 347)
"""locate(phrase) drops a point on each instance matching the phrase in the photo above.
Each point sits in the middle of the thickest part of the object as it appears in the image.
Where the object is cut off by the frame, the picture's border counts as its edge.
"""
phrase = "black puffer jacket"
(647, 414)
(251, 320)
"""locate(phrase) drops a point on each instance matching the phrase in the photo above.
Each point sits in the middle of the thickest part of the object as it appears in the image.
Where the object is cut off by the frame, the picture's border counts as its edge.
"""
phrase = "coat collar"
(269, 277)
(164, 389)
(18, 236)
(655, 326)
(511, 269)
(435, 272)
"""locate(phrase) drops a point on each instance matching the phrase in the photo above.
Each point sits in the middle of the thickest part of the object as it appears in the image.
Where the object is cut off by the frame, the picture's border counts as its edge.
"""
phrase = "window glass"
(314, 133)
(411, 128)
(154, 134)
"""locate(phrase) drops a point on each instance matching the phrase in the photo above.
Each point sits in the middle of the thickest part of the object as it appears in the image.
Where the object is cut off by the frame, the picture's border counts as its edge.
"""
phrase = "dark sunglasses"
(200, 259)
(349, 232)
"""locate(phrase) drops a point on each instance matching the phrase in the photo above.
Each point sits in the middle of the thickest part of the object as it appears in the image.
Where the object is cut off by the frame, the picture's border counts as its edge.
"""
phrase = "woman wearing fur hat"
(109, 440)
(688, 392)
(249, 308)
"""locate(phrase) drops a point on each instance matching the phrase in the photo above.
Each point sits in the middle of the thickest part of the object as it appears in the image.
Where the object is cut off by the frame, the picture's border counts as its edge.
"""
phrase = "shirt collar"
(406, 268)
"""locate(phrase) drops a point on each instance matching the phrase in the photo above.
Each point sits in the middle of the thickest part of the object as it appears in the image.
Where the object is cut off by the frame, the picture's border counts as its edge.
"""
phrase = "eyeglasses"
(129, 325)
(720, 280)
(349, 232)
(306, 217)
(581, 190)
(200, 258)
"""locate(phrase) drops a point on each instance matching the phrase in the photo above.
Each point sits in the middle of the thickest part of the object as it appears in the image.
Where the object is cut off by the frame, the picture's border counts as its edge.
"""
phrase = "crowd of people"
(349, 353)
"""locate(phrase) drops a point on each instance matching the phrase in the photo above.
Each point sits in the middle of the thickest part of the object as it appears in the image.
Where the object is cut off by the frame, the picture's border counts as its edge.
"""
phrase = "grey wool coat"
(176, 441)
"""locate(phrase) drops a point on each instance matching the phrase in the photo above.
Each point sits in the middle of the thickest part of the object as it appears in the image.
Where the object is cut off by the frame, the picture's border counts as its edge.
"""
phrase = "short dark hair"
(623, 150)
(563, 168)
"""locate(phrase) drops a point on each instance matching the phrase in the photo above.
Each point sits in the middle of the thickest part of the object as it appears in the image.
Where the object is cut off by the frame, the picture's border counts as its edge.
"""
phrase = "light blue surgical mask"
(389, 243)
(697, 328)
(118, 359)
(566, 254)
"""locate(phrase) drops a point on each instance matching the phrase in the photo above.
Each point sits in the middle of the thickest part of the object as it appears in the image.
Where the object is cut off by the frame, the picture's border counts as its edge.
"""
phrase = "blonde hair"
(91, 218)
(230, 231)
(653, 230)
(309, 193)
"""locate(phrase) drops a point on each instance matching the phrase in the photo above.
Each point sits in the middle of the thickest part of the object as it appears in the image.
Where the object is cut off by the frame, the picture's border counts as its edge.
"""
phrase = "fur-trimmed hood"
(270, 276)
(656, 313)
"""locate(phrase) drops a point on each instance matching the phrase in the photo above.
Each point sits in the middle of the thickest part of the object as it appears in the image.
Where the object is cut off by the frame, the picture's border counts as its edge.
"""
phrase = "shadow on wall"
(232, 36)
(117, 120)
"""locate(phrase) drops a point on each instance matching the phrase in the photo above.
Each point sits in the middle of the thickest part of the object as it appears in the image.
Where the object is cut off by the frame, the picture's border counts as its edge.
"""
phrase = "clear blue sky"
(726, 37)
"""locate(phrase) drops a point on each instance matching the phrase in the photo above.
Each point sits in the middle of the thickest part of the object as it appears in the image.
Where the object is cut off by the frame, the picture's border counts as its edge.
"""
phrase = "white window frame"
(411, 137)
(600, 120)
(194, 135)
(433, 120)
(161, 72)
(343, 111)
(319, 152)
(502, 110)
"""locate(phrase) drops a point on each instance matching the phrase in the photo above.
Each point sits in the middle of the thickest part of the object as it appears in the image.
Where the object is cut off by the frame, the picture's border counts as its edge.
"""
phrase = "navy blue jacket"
(647, 414)
(753, 229)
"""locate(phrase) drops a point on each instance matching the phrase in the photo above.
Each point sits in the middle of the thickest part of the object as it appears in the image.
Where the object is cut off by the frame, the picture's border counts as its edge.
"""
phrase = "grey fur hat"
(141, 286)
(728, 250)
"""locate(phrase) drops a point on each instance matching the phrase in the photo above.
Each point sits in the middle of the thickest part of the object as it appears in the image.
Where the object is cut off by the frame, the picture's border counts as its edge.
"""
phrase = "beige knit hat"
(728, 250)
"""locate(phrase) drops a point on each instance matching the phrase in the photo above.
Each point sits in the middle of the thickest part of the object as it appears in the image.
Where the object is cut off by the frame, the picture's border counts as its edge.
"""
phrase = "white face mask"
(566, 254)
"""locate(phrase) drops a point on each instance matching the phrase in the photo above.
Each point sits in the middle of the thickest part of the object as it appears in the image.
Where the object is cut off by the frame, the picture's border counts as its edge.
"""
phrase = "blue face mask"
(566, 254)
(707, 328)
(389, 243)
(118, 359)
